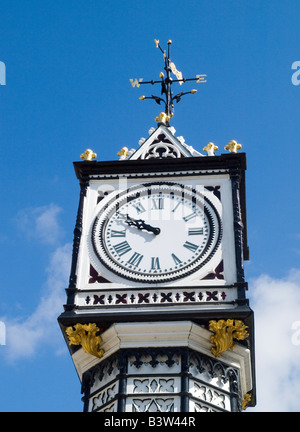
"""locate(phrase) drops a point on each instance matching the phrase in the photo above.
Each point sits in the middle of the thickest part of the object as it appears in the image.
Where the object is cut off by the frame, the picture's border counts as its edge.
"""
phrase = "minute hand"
(140, 224)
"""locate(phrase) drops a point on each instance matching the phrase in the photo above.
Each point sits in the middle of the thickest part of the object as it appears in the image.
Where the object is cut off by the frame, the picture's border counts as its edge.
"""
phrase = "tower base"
(162, 367)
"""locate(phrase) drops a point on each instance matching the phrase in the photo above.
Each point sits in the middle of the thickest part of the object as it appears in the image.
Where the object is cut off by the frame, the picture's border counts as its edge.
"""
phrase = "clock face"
(156, 232)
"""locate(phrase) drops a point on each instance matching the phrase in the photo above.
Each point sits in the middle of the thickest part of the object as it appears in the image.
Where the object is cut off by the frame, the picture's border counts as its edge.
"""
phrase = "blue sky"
(68, 65)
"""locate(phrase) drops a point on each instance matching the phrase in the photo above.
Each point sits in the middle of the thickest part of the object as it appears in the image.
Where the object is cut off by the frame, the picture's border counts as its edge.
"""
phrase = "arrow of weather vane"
(166, 83)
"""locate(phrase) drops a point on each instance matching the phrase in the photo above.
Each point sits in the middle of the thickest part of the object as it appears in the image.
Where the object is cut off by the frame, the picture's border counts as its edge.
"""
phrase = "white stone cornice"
(165, 334)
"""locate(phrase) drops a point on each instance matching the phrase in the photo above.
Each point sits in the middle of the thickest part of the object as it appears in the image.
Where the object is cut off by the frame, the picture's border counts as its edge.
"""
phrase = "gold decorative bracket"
(246, 401)
(86, 336)
(225, 333)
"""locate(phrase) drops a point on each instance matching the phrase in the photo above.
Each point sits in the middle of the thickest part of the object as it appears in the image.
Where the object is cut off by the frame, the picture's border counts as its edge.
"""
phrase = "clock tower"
(156, 317)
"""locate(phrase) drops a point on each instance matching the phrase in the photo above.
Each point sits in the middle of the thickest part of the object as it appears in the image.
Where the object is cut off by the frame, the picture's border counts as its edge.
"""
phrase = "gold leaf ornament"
(225, 333)
(246, 400)
(210, 148)
(86, 336)
(233, 146)
(123, 153)
(163, 118)
(88, 155)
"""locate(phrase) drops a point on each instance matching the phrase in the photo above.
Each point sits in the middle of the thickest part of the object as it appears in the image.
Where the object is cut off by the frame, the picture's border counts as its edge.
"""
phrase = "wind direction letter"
(136, 82)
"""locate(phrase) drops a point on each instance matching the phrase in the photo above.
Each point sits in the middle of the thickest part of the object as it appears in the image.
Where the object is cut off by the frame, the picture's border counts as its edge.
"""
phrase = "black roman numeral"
(135, 259)
(139, 208)
(176, 207)
(157, 203)
(176, 259)
(190, 216)
(195, 231)
(155, 263)
(191, 246)
(115, 233)
(122, 248)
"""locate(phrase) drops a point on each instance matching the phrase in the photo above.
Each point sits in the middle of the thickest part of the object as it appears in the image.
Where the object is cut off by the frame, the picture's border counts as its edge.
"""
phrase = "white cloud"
(40, 223)
(25, 337)
(276, 305)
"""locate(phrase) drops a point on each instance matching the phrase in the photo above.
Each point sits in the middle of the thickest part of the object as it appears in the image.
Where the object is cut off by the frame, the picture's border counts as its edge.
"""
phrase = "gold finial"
(246, 400)
(161, 75)
(193, 91)
(233, 146)
(85, 335)
(142, 97)
(156, 42)
(225, 332)
(169, 42)
(210, 148)
(88, 155)
(162, 118)
(123, 153)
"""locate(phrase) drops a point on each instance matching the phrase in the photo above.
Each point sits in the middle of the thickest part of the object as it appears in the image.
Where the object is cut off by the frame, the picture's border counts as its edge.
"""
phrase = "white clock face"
(156, 232)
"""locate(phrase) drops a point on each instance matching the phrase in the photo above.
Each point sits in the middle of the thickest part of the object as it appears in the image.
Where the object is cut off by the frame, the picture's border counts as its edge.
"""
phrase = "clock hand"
(150, 228)
(140, 224)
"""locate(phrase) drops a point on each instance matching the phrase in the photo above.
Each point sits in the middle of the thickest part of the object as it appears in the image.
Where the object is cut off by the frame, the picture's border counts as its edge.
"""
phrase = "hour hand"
(149, 228)
(140, 224)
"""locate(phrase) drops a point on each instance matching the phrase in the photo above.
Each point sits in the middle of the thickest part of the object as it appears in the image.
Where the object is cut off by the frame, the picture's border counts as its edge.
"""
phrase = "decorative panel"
(153, 404)
(104, 396)
(161, 380)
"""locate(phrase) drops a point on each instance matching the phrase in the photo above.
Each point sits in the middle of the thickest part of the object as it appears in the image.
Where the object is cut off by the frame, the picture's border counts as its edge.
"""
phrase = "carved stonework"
(105, 396)
(161, 380)
(153, 405)
(153, 296)
(155, 385)
(161, 148)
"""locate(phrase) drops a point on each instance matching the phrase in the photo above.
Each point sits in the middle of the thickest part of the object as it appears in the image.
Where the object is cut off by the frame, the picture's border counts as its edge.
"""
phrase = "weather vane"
(166, 82)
